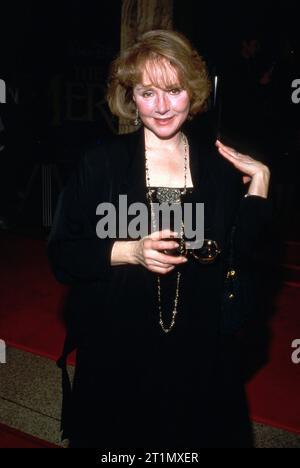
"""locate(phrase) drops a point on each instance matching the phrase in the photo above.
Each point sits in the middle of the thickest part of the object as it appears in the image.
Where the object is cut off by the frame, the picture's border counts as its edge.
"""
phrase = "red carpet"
(31, 301)
(30, 319)
(274, 392)
(11, 438)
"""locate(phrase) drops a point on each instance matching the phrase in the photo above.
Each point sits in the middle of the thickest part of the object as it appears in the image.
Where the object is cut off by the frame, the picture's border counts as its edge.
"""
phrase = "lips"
(164, 121)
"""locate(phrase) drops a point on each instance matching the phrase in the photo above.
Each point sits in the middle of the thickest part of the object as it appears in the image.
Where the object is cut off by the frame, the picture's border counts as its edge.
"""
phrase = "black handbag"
(239, 292)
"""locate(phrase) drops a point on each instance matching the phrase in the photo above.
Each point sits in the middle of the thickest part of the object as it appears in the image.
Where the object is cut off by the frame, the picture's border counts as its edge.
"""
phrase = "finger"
(156, 263)
(233, 152)
(164, 245)
(157, 235)
(231, 157)
(246, 179)
(219, 144)
(227, 151)
(240, 160)
(248, 167)
(169, 259)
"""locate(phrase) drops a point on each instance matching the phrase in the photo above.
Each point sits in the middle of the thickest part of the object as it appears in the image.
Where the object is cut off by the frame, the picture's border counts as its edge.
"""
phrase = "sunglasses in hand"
(206, 254)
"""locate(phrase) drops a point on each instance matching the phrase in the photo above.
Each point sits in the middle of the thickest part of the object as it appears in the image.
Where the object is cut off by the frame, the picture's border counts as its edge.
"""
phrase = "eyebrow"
(150, 85)
(139, 87)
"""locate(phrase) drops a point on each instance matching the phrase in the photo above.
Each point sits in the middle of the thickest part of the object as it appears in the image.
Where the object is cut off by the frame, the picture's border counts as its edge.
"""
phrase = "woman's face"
(162, 111)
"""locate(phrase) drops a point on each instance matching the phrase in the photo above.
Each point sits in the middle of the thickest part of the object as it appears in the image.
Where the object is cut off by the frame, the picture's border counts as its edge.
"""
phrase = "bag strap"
(220, 224)
(231, 249)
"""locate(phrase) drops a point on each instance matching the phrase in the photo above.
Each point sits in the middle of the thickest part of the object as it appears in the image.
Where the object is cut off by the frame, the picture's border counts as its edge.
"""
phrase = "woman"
(152, 368)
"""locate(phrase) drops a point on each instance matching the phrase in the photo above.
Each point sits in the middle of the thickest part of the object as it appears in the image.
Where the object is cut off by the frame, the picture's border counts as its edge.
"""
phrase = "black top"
(136, 386)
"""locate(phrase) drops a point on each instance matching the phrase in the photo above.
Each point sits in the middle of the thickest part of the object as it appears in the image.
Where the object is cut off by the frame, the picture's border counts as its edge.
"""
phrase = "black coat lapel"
(134, 176)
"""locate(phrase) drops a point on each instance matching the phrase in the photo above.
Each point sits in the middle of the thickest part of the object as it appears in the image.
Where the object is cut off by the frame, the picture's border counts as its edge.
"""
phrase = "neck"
(154, 142)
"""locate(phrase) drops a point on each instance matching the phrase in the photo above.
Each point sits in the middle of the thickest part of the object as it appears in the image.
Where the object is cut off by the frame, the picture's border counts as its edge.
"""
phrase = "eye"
(175, 91)
(147, 94)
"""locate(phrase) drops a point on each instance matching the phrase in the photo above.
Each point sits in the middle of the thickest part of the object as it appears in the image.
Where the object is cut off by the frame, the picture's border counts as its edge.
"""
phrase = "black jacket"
(110, 169)
(112, 310)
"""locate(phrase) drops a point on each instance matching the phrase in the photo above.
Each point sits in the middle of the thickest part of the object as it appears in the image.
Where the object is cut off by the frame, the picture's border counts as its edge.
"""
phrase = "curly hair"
(156, 52)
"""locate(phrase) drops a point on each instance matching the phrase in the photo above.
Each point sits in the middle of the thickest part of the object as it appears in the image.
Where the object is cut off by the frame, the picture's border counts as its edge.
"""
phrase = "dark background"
(54, 58)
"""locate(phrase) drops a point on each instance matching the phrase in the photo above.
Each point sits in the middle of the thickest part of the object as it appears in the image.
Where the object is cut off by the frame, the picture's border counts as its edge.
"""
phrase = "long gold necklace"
(149, 196)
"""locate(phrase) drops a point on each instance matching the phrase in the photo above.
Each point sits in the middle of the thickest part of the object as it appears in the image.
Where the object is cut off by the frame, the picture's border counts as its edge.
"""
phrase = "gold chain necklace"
(149, 196)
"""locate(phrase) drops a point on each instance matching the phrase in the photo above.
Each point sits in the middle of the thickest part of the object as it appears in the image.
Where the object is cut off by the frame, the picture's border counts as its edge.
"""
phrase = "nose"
(163, 104)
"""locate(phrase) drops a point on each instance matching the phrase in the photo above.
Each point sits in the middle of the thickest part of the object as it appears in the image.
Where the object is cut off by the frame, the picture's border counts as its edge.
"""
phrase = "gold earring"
(137, 119)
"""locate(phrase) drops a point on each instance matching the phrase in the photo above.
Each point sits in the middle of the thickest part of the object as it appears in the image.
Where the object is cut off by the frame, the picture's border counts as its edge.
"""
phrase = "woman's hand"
(146, 252)
(254, 171)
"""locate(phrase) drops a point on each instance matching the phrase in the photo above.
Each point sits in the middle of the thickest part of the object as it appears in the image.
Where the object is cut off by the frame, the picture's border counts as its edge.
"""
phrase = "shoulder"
(110, 151)
(208, 156)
